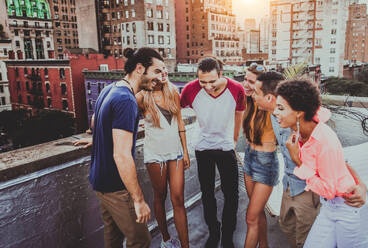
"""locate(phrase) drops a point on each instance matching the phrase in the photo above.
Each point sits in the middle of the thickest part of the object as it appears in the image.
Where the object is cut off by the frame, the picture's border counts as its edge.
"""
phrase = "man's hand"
(86, 142)
(142, 211)
(186, 161)
(358, 196)
(293, 147)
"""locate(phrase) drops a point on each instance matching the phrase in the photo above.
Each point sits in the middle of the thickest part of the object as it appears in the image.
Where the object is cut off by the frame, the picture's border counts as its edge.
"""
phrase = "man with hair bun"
(113, 172)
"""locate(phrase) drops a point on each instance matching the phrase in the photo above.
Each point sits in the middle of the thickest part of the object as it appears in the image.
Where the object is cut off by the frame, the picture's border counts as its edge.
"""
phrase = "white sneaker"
(175, 243)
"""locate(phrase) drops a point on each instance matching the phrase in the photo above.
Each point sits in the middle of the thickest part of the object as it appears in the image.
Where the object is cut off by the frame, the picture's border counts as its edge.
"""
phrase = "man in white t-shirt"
(219, 104)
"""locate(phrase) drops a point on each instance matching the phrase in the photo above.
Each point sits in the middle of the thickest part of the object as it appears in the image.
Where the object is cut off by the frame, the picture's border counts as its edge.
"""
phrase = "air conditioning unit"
(104, 67)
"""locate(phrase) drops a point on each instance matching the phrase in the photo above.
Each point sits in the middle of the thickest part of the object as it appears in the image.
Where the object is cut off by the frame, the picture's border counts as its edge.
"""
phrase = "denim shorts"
(263, 167)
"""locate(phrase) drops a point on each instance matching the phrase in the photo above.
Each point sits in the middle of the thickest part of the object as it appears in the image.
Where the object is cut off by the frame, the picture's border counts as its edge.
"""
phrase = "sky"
(250, 9)
(255, 9)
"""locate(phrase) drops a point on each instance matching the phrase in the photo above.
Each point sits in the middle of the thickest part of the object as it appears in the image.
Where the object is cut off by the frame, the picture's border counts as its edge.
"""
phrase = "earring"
(297, 126)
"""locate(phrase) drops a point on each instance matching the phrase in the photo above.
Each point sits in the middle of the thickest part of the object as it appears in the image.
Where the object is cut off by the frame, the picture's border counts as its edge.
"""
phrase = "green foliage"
(295, 71)
(363, 76)
(343, 86)
(24, 130)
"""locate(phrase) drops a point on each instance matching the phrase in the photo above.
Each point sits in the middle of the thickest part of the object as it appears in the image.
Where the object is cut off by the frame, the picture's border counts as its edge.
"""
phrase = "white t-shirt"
(215, 115)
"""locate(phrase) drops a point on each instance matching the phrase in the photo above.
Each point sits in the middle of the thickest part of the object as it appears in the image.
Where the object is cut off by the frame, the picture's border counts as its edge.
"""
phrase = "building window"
(49, 102)
(20, 99)
(3, 100)
(65, 104)
(159, 14)
(331, 69)
(149, 13)
(168, 39)
(63, 89)
(332, 59)
(150, 25)
(160, 39)
(273, 51)
(1, 89)
(90, 107)
(127, 14)
(273, 34)
(160, 27)
(151, 39)
(333, 31)
(332, 50)
(127, 27)
(62, 73)
(133, 13)
(47, 87)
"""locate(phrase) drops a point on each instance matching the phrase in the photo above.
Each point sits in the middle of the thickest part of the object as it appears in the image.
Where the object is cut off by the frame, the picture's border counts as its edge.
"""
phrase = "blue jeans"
(263, 167)
(337, 225)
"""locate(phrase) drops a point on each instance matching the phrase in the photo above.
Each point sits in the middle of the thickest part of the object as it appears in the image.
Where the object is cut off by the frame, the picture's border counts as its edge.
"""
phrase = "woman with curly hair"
(261, 166)
(166, 155)
(318, 154)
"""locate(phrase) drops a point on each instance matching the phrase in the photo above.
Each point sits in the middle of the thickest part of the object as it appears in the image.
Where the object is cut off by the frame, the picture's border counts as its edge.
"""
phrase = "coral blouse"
(323, 164)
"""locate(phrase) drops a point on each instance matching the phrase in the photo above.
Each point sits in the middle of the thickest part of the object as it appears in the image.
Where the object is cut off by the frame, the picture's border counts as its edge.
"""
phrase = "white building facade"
(311, 31)
(5, 47)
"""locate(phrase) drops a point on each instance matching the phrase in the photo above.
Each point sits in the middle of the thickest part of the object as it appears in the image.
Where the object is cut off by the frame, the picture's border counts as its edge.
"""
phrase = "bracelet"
(182, 131)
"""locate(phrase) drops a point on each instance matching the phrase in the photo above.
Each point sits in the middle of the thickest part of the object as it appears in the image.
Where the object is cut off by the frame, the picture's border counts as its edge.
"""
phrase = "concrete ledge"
(349, 101)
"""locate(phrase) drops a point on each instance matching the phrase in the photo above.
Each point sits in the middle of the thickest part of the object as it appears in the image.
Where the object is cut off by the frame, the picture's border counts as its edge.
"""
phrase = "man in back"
(219, 105)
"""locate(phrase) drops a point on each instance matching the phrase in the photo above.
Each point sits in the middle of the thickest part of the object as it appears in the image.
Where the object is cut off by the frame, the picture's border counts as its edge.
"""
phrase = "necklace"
(130, 86)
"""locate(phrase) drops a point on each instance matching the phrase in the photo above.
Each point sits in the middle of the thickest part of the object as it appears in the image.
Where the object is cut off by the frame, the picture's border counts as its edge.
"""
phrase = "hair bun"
(128, 53)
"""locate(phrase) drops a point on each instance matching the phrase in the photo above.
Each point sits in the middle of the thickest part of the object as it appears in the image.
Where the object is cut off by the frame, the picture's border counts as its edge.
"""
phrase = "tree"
(363, 76)
(25, 130)
(343, 86)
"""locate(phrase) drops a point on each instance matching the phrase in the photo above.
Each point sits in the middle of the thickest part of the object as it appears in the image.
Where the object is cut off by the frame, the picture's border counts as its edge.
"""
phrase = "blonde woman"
(166, 155)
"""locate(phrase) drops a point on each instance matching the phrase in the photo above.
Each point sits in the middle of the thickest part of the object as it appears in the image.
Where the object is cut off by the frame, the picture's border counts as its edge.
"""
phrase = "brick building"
(206, 28)
(137, 23)
(55, 84)
(356, 44)
(5, 47)
(64, 22)
(29, 24)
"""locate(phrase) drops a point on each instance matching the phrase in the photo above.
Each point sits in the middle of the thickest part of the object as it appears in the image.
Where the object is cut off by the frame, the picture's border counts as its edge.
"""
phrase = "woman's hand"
(293, 147)
(186, 161)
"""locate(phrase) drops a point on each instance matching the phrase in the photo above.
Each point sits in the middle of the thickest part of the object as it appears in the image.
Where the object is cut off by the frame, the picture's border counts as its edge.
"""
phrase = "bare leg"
(159, 185)
(176, 181)
(255, 213)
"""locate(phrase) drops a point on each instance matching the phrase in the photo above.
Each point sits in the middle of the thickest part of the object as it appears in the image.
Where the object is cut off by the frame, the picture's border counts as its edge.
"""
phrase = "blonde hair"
(150, 108)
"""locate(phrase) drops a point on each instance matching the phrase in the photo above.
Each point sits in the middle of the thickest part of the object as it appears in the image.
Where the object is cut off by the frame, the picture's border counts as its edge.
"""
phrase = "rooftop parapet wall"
(47, 201)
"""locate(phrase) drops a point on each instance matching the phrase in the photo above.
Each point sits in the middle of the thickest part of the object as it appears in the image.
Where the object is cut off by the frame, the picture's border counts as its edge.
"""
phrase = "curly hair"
(302, 95)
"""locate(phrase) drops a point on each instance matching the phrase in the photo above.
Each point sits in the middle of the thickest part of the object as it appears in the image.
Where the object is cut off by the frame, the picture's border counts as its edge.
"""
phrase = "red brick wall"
(53, 79)
(92, 62)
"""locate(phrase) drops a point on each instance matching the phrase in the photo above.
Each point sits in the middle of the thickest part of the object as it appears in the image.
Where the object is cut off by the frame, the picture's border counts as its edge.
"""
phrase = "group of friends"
(323, 196)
